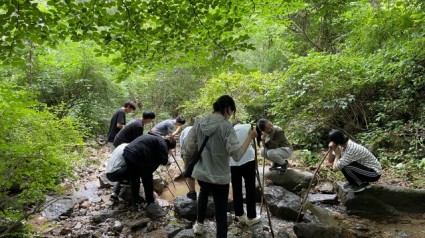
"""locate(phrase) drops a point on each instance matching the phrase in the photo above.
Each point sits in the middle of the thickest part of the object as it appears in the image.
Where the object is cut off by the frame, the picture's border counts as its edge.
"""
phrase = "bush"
(38, 151)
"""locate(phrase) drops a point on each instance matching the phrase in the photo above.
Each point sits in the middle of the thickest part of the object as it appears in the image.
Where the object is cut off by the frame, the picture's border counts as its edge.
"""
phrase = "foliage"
(142, 31)
(38, 151)
(246, 90)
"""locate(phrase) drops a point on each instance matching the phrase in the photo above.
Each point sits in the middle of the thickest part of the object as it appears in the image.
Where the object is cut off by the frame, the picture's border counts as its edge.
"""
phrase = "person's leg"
(279, 155)
(357, 174)
(202, 201)
(236, 173)
(147, 180)
(220, 197)
(190, 182)
(248, 173)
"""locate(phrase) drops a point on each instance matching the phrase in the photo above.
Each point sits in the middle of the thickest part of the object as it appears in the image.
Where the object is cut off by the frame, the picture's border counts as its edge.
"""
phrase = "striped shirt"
(358, 153)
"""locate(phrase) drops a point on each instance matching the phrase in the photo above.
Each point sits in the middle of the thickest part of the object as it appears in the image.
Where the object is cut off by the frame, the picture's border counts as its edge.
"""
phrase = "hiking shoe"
(242, 219)
(360, 188)
(348, 185)
(114, 198)
(275, 166)
(198, 229)
(192, 195)
(253, 221)
(280, 167)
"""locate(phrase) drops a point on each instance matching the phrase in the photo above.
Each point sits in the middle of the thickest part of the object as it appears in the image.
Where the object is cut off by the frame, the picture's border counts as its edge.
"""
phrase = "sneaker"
(114, 198)
(348, 185)
(275, 166)
(361, 187)
(253, 221)
(192, 195)
(242, 219)
(198, 228)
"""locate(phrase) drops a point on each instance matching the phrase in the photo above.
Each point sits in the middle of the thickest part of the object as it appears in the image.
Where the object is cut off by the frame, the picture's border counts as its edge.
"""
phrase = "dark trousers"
(135, 173)
(220, 194)
(117, 176)
(247, 172)
(356, 173)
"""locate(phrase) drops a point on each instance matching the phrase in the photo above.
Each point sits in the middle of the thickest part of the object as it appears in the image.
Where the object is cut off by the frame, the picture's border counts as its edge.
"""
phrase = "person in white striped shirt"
(357, 163)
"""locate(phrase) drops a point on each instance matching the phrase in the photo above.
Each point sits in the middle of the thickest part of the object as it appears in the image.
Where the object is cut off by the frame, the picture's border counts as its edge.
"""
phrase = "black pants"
(247, 172)
(220, 194)
(356, 173)
(117, 176)
(136, 172)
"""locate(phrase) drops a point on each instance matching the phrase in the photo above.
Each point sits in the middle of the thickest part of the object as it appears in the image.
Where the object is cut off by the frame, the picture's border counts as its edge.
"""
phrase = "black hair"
(171, 143)
(130, 104)
(148, 115)
(337, 136)
(181, 120)
(261, 124)
(223, 103)
(258, 135)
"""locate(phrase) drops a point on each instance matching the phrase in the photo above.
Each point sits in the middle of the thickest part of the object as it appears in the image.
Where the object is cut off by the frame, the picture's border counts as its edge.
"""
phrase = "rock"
(154, 211)
(323, 198)
(311, 230)
(326, 188)
(187, 208)
(382, 200)
(61, 206)
(99, 217)
(282, 203)
(104, 182)
(139, 223)
(292, 179)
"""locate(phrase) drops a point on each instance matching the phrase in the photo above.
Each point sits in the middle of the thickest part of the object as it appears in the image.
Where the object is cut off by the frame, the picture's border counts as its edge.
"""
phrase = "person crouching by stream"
(143, 156)
(116, 170)
(358, 165)
(276, 147)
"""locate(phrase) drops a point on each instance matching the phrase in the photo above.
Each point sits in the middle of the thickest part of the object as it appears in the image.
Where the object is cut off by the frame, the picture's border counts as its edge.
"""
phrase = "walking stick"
(181, 171)
(264, 165)
(171, 178)
(309, 186)
(162, 180)
(263, 198)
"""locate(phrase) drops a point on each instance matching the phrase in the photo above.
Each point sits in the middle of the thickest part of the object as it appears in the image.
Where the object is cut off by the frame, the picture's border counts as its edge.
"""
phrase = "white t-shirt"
(116, 160)
(242, 134)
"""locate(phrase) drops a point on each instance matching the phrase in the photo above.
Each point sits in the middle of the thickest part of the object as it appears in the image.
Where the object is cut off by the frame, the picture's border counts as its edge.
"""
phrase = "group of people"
(229, 157)
(137, 155)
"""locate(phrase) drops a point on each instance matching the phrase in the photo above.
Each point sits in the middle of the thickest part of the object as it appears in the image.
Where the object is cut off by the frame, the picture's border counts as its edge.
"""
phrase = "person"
(134, 129)
(276, 147)
(118, 121)
(130, 132)
(186, 158)
(213, 171)
(143, 156)
(244, 168)
(358, 165)
(116, 170)
(165, 128)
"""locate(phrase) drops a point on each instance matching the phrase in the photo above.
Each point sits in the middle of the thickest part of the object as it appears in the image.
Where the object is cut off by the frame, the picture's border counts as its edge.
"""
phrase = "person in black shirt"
(118, 121)
(134, 129)
(143, 156)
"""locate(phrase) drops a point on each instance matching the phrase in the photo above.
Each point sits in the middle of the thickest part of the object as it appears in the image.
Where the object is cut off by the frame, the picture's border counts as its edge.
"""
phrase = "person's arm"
(336, 151)
(176, 131)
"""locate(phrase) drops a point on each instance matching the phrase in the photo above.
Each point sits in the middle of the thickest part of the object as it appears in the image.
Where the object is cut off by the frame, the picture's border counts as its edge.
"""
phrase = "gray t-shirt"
(165, 127)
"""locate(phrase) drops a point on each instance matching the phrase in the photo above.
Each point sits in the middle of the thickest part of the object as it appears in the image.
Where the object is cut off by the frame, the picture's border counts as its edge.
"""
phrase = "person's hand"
(332, 146)
(263, 136)
(252, 133)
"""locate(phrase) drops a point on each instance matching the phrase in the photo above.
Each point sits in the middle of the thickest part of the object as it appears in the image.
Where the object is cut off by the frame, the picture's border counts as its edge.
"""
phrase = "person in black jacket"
(143, 156)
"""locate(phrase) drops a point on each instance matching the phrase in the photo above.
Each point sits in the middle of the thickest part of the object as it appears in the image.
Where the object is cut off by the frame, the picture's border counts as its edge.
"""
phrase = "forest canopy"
(308, 66)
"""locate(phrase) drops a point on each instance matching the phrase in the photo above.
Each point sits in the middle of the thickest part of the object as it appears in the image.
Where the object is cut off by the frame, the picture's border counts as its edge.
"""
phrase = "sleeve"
(163, 153)
(121, 117)
(190, 143)
(275, 142)
(347, 158)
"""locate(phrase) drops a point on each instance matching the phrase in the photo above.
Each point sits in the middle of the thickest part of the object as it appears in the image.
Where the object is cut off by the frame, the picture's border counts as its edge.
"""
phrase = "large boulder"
(292, 179)
(312, 230)
(382, 200)
(282, 203)
(187, 208)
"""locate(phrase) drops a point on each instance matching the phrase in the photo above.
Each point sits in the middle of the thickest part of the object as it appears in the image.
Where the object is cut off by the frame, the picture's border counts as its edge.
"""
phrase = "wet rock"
(326, 188)
(292, 179)
(99, 217)
(139, 223)
(323, 198)
(187, 208)
(154, 211)
(104, 182)
(158, 184)
(186, 233)
(282, 203)
(382, 200)
(311, 230)
(61, 206)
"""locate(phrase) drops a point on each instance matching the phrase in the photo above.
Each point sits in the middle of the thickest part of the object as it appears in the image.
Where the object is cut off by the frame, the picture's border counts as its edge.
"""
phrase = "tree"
(142, 31)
